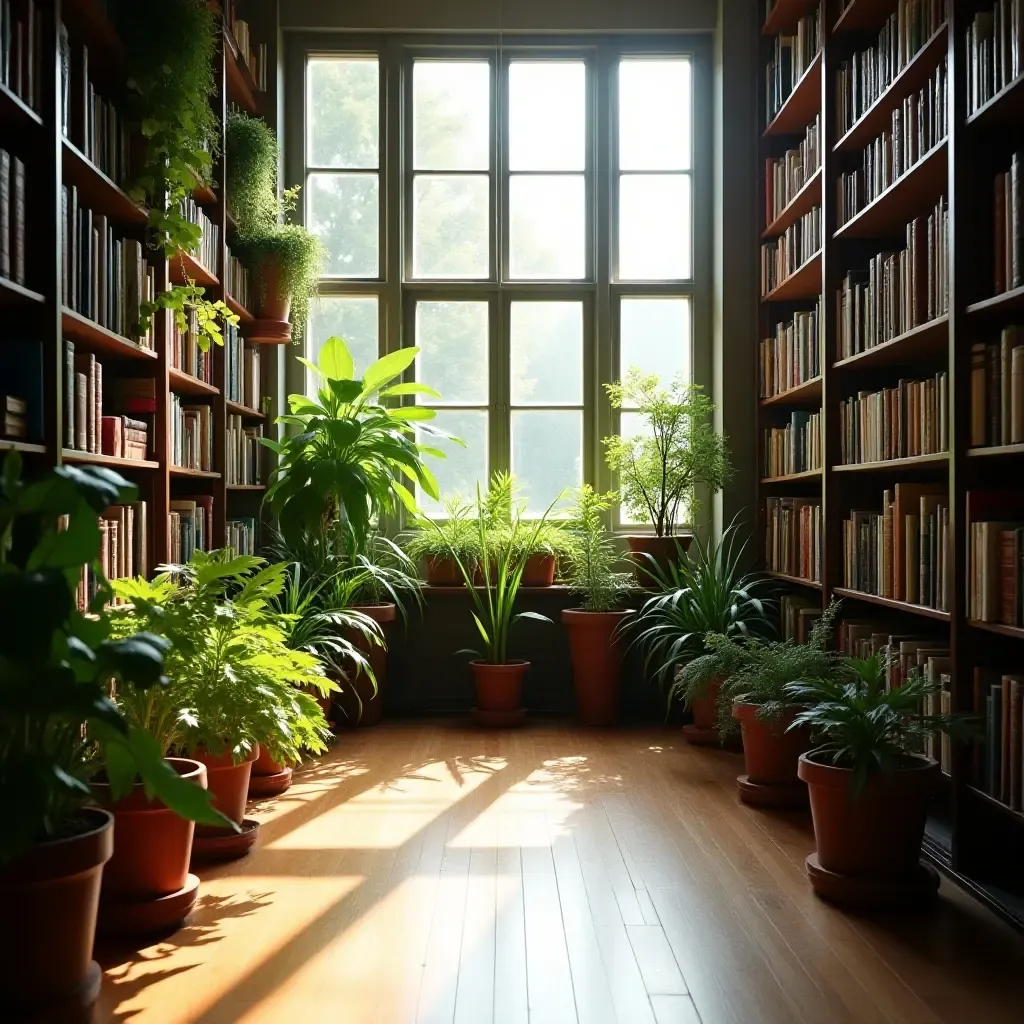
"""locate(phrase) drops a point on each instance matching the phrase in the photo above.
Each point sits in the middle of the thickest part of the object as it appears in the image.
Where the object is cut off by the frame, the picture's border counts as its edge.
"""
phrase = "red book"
(112, 439)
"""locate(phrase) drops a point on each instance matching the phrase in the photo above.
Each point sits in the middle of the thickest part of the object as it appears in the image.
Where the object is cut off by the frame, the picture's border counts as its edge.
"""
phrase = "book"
(795, 447)
(793, 537)
(783, 256)
(787, 175)
(792, 55)
(789, 358)
(5, 213)
(21, 376)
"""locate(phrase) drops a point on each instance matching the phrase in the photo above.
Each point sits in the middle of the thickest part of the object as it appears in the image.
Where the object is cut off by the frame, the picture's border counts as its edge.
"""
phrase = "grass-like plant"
(591, 558)
(455, 531)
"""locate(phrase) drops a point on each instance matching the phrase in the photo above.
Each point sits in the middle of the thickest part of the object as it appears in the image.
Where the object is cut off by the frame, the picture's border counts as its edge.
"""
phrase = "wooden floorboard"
(430, 872)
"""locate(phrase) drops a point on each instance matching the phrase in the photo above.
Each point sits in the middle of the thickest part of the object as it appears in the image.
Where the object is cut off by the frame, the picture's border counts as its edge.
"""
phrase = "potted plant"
(242, 685)
(660, 469)
(499, 679)
(754, 674)
(59, 729)
(432, 543)
(868, 785)
(707, 593)
(594, 626)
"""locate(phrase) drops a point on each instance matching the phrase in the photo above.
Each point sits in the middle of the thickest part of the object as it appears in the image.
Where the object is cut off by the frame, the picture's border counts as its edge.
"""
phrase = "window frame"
(600, 291)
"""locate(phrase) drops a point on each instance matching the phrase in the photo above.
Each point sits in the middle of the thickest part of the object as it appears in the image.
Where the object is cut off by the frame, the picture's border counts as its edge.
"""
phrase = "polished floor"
(429, 872)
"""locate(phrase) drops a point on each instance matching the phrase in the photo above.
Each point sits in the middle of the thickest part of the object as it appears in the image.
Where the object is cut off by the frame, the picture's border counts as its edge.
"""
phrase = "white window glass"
(654, 336)
(354, 319)
(547, 455)
(451, 226)
(655, 226)
(343, 213)
(655, 115)
(547, 115)
(464, 467)
(453, 342)
(343, 112)
(546, 353)
(451, 115)
(547, 230)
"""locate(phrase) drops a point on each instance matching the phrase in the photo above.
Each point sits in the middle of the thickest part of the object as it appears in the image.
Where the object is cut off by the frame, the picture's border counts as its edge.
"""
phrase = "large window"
(530, 217)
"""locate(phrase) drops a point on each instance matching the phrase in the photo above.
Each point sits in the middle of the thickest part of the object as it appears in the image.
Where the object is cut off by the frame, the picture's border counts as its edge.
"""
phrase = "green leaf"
(336, 360)
(412, 388)
(413, 413)
(387, 368)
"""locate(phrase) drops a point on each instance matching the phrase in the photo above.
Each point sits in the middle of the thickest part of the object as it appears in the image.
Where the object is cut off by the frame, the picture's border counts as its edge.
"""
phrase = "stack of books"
(191, 435)
(241, 536)
(995, 51)
(185, 353)
(793, 537)
(207, 252)
(21, 50)
(786, 176)
(190, 522)
(792, 56)
(997, 390)
(124, 549)
(242, 453)
(14, 425)
(254, 56)
(12, 218)
(786, 254)
(104, 135)
(1008, 227)
(237, 283)
(999, 757)
(797, 615)
(793, 355)
(895, 423)
(995, 551)
(133, 400)
(794, 448)
(243, 369)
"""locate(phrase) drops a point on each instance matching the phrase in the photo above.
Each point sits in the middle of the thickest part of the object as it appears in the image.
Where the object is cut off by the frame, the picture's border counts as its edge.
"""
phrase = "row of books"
(243, 369)
(254, 56)
(208, 249)
(786, 176)
(865, 76)
(191, 435)
(103, 277)
(994, 571)
(895, 423)
(185, 353)
(793, 537)
(14, 417)
(190, 525)
(918, 125)
(997, 390)
(999, 757)
(241, 535)
(1008, 227)
(902, 552)
(791, 57)
(899, 291)
(784, 255)
(21, 50)
(105, 138)
(793, 355)
(12, 217)
(104, 419)
(124, 549)
(995, 51)
(795, 447)
(797, 615)
(242, 453)
(237, 281)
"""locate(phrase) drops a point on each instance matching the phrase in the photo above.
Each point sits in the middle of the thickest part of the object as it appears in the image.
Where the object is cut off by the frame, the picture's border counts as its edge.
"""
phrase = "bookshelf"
(36, 310)
(975, 836)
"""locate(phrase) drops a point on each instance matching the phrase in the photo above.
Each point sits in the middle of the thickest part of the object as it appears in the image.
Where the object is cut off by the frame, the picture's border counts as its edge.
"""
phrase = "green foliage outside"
(591, 557)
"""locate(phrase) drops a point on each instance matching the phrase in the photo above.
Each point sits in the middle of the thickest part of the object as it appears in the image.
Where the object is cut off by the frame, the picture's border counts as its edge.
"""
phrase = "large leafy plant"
(344, 460)
(660, 469)
(861, 725)
(591, 557)
(236, 682)
(58, 724)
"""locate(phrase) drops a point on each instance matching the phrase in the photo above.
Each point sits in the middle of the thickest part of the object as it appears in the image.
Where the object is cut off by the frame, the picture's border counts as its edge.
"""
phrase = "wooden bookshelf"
(807, 393)
(919, 344)
(903, 607)
(8, 444)
(1008, 303)
(802, 103)
(803, 283)
(12, 292)
(893, 465)
(805, 200)
(95, 459)
(185, 384)
(789, 478)
(796, 581)
(785, 14)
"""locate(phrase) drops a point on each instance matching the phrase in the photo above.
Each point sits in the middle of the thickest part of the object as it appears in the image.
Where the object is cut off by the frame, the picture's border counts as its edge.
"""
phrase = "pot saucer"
(148, 917)
(874, 893)
(498, 719)
(226, 845)
(701, 737)
(270, 785)
(762, 794)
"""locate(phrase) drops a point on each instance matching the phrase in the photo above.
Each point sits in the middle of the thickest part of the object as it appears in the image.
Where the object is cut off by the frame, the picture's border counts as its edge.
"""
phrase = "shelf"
(861, 14)
(806, 393)
(205, 474)
(998, 804)
(184, 266)
(98, 192)
(186, 384)
(88, 20)
(204, 195)
(997, 627)
(998, 449)
(16, 112)
(914, 192)
(1006, 107)
(911, 346)
(798, 581)
(789, 478)
(803, 202)
(892, 465)
(785, 14)
(896, 606)
(238, 309)
(72, 455)
(11, 292)
(96, 338)
(246, 487)
(10, 444)
(1004, 303)
(242, 88)
(802, 103)
(878, 117)
(243, 410)
(803, 283)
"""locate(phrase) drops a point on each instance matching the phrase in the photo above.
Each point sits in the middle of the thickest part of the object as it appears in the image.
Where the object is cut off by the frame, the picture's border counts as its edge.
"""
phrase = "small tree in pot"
(869, 788)
(660, 469)
(594, 627)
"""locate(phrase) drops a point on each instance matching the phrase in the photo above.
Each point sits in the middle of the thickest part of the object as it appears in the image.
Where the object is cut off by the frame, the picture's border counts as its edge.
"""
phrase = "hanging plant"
(169, 50)
(251, 151)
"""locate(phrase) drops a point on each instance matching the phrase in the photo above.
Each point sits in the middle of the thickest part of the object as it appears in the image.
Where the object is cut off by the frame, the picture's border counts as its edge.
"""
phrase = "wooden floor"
(428, 872)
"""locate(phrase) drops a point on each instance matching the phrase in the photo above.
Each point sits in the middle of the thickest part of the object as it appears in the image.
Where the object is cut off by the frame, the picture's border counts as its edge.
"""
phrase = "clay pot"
(266, 765)
(372, 710)
(704, 706)
(441, 572)
(152, 843)
(229, 784)
(769, 751)
(50, 897)
(878, 833)
(272, 302)
(539, 571)
(596, 663)
(499, 687)
(664, 550)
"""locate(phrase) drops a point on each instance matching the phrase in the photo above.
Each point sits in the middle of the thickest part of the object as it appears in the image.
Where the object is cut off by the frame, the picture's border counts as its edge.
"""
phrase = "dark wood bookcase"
(975, 838)
(35, 311)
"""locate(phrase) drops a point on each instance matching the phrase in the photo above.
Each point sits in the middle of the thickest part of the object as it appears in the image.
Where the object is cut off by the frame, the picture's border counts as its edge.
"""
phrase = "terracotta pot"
(770, 752)
(50, 897)
(441, 572)
(539, 571)
(272, 303)
(878, 833)
(499, 687)
(266, 765)
(152, 843)
(229, 784)
(704, 706)
(664, 550)
(596, 663)
(371, 710)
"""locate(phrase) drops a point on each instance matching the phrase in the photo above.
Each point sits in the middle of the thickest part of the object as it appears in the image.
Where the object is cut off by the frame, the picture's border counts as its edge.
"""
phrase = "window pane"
(342, 212)
(547, 230)
(654, 227)
(451, 115)
(353, 319)
(547, 115)
(547, 455)
(343, 112)
(654, 335)
(547, 353)
(463, 468)
(451, 226)
(453, 342)
(655, 122)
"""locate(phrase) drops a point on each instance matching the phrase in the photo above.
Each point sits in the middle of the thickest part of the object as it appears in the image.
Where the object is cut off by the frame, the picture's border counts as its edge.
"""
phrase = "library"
(509, 511)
